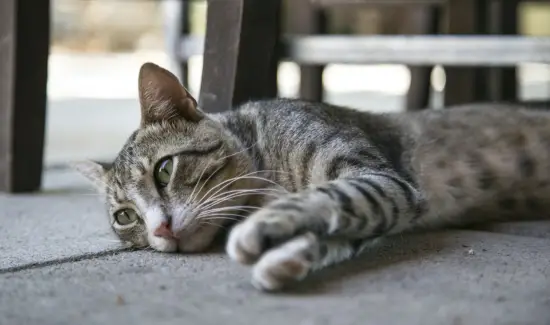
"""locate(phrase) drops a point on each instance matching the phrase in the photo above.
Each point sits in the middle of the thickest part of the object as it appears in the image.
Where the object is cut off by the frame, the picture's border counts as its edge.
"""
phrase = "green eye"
(125, 217)
(163, 172)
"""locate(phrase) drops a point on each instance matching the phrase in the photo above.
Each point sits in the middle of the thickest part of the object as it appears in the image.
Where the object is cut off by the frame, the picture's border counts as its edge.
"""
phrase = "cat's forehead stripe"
(126, 154)
(117, 190)
(132, 162)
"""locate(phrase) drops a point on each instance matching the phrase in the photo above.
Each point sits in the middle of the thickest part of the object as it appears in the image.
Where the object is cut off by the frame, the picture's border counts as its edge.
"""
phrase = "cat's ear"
(163, 98)
(93, 171)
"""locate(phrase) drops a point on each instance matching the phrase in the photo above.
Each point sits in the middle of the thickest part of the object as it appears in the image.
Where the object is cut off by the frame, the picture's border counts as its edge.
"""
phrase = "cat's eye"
(163, 172)
(125, 217)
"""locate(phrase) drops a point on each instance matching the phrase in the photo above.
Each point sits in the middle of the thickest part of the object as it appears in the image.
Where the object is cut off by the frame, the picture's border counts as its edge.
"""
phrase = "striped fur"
(341, 178)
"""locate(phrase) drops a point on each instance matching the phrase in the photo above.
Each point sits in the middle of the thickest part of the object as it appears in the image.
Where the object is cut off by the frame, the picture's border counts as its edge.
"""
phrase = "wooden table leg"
(420, 20)
(503, 20)
(24, 48)
(305, 19)
(240, 52)
(465, 84)
(184, 30)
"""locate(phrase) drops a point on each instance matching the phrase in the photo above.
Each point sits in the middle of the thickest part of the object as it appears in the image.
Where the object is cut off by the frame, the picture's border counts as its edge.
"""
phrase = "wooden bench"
(240, 53)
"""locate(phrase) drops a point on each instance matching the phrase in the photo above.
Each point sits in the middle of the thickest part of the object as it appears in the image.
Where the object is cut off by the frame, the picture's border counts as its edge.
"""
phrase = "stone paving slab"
(455, 277)
(52, 226)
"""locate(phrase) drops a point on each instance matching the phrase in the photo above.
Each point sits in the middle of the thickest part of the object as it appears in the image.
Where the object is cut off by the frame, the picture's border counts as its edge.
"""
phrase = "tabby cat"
(305, 185)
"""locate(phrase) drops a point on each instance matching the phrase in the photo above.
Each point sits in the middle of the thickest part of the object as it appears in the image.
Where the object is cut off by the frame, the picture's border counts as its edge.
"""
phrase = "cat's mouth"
(188, 230)
(194, 237)
(197, 238)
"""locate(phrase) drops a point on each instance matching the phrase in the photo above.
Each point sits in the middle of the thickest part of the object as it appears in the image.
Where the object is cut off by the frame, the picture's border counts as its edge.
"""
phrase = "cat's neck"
(243, 127)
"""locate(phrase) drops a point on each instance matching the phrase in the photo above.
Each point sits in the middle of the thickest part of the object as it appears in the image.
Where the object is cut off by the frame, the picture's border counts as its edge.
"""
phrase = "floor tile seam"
(64, 260)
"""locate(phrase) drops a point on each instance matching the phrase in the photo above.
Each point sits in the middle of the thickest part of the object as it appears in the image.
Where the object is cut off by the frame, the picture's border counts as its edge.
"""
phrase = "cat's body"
(329, 180)
(465, 160)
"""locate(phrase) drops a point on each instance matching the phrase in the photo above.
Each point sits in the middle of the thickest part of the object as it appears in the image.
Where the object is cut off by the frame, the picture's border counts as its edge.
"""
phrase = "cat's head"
(169, 187)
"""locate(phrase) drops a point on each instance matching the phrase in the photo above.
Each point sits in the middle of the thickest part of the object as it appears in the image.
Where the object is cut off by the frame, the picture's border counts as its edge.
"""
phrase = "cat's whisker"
(191, 197)
(234, 179)
(212, 201)
(257, 191)
(224, 184)
(206, 215)
(226, 209)
(233, 196)
(245, 176)
(222, 216)
(238, 207)
(205, 222)
(271, 189)
(219, 220)
(253, 190)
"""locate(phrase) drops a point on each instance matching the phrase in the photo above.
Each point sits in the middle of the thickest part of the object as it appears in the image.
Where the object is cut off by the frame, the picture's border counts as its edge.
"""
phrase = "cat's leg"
(301, 255)
(365, 206)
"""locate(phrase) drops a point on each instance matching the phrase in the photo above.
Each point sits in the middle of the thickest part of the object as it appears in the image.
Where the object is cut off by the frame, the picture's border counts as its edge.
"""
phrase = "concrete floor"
(60, 264)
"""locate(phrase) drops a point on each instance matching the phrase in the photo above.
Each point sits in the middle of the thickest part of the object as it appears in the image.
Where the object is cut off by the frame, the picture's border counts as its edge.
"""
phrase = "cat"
(302, 185)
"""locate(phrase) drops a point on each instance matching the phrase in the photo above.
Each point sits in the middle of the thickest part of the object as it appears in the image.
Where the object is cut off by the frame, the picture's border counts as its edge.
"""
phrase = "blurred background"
(98, 46)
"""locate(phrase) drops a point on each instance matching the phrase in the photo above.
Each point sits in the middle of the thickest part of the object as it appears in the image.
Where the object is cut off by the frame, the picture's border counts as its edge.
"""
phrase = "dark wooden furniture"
(477, 68)
(308, 17)
(24, 46)
(244, 56)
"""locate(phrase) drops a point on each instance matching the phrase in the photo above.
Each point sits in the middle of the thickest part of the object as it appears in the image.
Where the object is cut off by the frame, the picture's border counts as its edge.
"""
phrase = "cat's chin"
(162, 244)
(198, 241)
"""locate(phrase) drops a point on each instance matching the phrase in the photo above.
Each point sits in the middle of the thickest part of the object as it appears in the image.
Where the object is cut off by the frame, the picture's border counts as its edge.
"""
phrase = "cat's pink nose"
(164, 231)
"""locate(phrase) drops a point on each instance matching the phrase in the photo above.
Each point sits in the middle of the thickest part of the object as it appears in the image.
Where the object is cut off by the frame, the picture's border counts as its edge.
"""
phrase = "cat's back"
(482, 159)
(482, 115)
(463, 126)
(483, 125)
(286, 116)
(292, 109)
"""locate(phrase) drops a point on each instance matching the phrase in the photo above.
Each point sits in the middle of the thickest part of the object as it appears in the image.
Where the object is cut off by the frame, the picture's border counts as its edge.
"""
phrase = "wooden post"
(240, 52)
(24, 48)
(185, 30)
(503, 20)
(465, 84)
(420, 20)
(306, 19)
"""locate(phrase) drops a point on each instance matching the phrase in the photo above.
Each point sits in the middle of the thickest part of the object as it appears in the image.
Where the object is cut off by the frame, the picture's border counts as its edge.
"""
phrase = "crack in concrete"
(70, 259)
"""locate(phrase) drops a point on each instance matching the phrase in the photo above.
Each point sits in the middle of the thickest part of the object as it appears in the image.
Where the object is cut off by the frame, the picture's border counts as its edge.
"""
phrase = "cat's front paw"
(273, 240)
(287, 263)
(261, 231)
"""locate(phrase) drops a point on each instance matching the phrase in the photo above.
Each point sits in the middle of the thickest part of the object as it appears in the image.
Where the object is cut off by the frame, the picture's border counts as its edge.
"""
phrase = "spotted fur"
(326, 180)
